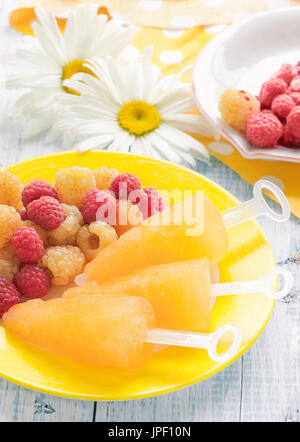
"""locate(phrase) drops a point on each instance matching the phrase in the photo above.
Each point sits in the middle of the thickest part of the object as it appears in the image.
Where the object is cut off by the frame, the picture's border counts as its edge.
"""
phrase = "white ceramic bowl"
(242, 57)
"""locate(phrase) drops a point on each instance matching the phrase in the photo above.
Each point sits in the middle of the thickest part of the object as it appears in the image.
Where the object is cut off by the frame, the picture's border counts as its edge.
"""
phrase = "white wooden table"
(263, 385)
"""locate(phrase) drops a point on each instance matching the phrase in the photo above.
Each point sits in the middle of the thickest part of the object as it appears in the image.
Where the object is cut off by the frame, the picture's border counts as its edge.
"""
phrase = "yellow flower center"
(74, 67)
(139, 118)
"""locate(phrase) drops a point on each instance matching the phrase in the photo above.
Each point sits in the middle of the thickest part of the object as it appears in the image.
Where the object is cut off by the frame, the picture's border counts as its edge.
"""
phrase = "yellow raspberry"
(10, 221)
(64, 263)
(94, 237)
(11, 190)
(73, 183)
(237, 106)
(104, 176)
(9, 262)
(128, 216)
(42, 233)
(66, 233)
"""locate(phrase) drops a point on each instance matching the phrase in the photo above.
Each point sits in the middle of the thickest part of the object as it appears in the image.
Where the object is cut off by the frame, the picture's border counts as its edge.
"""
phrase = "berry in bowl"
(273, 117)
(254, 63)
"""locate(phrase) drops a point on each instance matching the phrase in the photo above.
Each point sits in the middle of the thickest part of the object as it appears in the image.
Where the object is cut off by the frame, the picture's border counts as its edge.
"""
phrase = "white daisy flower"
(133, 108)
(49, 58)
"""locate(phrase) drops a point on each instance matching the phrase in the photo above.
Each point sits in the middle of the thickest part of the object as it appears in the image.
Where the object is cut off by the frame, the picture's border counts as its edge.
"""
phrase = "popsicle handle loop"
(215, 338)
(208, 341)
(285, 213)
(259, 206)
(286, 284)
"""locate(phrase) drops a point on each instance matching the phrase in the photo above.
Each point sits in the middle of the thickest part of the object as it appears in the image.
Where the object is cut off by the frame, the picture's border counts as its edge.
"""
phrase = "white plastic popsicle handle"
(263, 285)
(208, 341)
(258, 206)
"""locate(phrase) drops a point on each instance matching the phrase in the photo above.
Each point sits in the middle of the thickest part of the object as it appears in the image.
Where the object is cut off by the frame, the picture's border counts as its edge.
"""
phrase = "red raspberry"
(9, 296)
(124, 184)
(147, 200)
(23, 215)
(264, 130)
(141, 199)
(35, 190)
(295, 97)
(156, 197)
(28, 245)
(161, 203)
(295, 84)
(136, 196)
(270, 89)
(99, 206)
(46, 212)
(282, 105)
(33, 281)
(286, 73)
(288, 139)
(293, 122)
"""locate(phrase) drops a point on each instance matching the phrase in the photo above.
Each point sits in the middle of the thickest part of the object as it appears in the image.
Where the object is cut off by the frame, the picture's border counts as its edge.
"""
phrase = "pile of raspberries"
(278, 122)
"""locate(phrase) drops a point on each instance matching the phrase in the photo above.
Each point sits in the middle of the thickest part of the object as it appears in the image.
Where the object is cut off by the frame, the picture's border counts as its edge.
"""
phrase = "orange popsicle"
(102, 330)
(154, 242)
(179, 293)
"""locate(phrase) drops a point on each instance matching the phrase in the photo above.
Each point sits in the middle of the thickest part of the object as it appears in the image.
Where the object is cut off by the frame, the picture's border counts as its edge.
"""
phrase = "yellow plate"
(249, 256)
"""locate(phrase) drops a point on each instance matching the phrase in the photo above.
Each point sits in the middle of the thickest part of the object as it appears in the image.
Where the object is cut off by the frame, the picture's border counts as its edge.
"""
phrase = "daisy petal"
(49, 23)
(176, 101)
(35, 127)
(190, 123)
(97, 142)
(165, 149)
(122, 142)
(182, 141)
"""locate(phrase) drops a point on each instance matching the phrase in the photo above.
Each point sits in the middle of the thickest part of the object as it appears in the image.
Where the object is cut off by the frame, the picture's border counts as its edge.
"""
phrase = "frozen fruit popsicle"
(105, 331)
(154, 242)
(100, 330)
(180, 293)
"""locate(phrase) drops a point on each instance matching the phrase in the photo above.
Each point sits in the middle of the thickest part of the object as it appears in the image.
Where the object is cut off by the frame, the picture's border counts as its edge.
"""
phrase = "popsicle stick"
(258, 206)
(263, 285)
(208, 341)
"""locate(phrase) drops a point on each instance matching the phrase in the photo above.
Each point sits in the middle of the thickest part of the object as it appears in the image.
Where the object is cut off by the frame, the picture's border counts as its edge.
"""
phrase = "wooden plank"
(18, 404)
(270, 385)
(215, 400)
(271, 381)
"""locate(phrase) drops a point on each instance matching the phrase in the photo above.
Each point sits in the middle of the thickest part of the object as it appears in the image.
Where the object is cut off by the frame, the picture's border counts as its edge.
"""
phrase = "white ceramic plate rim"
(279, 153)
